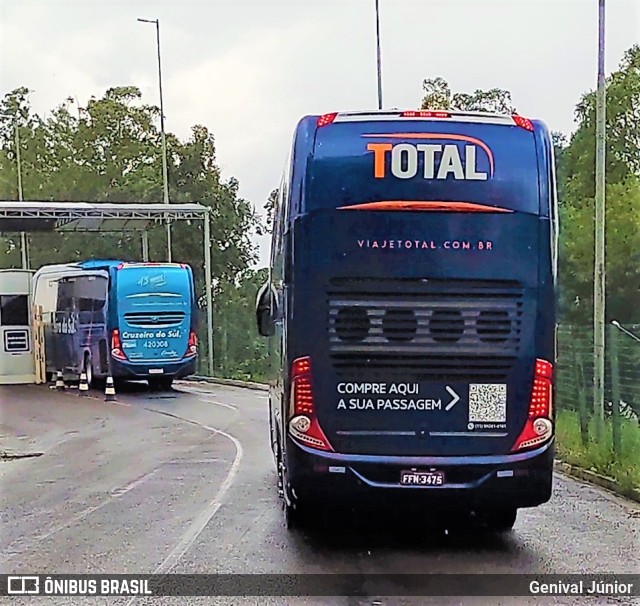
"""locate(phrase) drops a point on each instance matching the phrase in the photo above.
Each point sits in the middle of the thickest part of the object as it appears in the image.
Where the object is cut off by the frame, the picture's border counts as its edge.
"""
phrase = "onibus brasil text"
(103, 587)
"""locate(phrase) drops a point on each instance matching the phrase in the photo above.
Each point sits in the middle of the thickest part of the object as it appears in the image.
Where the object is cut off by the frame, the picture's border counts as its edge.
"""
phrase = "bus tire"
(88, 369)
(501, 520)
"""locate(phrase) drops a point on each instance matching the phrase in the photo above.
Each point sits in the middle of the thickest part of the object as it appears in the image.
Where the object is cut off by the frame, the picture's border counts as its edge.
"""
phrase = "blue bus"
(134, 321)
(411, 314)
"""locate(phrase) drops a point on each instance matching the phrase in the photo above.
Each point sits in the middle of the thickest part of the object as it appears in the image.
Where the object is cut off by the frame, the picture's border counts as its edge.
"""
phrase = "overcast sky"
(249, 69)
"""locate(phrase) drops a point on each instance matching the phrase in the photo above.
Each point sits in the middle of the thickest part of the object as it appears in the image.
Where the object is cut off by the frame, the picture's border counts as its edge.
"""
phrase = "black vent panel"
(425, 329)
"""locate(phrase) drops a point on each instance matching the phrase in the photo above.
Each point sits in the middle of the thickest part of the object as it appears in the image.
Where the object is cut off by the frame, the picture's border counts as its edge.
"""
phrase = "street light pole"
(599, 253)
(378, 54)
(165, 181)
(624, 330)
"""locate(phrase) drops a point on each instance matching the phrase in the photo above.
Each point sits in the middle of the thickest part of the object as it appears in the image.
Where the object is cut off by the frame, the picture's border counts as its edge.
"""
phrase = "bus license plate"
(422, 478)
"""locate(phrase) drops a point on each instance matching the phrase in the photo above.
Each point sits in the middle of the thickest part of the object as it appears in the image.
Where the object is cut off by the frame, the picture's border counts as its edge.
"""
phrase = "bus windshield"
(421, 164)
(157, 286)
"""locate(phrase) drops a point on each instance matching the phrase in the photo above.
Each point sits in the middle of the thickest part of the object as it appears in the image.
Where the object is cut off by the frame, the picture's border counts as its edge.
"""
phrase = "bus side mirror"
(264, 314)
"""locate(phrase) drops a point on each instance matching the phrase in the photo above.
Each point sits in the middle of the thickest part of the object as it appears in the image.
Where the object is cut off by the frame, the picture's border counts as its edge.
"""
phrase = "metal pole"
(207, 281)
(378, 55)
(23, 235)
(165, 181)
(599, 265)
(164, 143)
(145, 246)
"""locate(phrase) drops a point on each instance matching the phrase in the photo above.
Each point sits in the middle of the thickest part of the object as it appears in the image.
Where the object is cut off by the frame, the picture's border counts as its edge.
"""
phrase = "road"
(184, 482)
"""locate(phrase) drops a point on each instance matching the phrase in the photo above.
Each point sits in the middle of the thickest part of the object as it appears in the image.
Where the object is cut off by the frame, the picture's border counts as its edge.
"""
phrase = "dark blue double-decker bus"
(411, 311)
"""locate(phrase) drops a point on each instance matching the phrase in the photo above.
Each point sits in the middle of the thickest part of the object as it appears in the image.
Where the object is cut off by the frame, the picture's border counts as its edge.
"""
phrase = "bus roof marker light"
(425, 113)
(327, 119)
(523, 122)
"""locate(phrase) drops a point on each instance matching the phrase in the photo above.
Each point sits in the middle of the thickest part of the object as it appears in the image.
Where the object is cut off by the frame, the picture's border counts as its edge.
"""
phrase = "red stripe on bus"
(430, 205)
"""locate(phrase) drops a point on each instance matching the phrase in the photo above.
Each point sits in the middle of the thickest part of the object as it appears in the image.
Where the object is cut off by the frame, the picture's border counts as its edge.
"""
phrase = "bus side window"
(91, 295)
(65, 302)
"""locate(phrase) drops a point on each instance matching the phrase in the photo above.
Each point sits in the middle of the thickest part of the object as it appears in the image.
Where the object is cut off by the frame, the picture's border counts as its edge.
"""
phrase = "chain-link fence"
(608, 443)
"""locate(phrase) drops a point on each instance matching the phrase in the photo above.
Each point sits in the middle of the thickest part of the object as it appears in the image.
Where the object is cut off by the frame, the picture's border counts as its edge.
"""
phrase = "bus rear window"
(465, 165)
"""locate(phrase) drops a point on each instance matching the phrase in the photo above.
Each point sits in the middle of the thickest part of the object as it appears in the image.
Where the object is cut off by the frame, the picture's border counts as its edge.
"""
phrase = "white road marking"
(199, 524)
(209, 397)
(229, 406)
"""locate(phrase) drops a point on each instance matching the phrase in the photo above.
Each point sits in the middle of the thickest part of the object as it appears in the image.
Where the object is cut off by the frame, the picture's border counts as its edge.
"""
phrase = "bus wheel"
(88, 369)
(501, 520)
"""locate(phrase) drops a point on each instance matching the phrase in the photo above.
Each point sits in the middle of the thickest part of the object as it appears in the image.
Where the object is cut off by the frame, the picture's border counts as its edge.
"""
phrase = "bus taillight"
(303, 425)
(192, 345)
(116, 345)
(539, 427)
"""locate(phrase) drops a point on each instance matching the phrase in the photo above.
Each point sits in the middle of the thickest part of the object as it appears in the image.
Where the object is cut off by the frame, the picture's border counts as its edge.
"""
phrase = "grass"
(598, 456)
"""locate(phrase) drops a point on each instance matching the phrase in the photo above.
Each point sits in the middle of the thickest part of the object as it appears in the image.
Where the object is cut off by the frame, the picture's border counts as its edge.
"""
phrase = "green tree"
(243, 353)
(437, 95)
(576, 174)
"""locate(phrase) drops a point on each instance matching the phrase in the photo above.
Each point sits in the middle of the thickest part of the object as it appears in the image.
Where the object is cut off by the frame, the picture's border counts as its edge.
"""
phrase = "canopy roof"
(30, 216)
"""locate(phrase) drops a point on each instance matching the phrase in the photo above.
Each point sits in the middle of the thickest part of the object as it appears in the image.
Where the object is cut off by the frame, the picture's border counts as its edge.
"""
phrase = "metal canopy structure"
(85, 217)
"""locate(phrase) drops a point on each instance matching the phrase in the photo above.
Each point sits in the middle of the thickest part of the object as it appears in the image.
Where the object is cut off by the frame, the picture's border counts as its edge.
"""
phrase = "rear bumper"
(519, 480)
(174, 370)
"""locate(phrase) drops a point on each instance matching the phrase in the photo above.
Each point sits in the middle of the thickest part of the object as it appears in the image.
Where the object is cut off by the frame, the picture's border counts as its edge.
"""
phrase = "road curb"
(595, 478)
(228, 382)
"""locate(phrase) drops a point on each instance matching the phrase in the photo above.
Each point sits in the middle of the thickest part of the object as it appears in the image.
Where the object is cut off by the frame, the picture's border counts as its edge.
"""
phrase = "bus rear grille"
(427, 328)
(150, 320)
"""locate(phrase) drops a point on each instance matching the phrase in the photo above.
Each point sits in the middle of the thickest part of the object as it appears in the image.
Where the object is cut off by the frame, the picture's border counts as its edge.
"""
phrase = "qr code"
(487, 403)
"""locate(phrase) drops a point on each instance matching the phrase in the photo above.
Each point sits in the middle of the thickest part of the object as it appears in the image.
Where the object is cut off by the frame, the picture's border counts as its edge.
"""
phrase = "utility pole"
(599, 253)
(24, 244)
(165, 181)
(23, 235)
(378, 54)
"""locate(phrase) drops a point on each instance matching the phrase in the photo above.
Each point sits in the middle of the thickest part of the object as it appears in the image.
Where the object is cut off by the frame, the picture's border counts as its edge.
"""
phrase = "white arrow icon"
(453, 402)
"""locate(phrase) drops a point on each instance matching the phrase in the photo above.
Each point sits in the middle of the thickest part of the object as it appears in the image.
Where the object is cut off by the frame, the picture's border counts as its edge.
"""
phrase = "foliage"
(576, 176)
(438, 96)
(242, 354)
(598, 456)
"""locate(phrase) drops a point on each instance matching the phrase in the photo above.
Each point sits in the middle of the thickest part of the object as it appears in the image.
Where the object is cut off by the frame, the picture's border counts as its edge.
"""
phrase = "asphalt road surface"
(184, 482)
